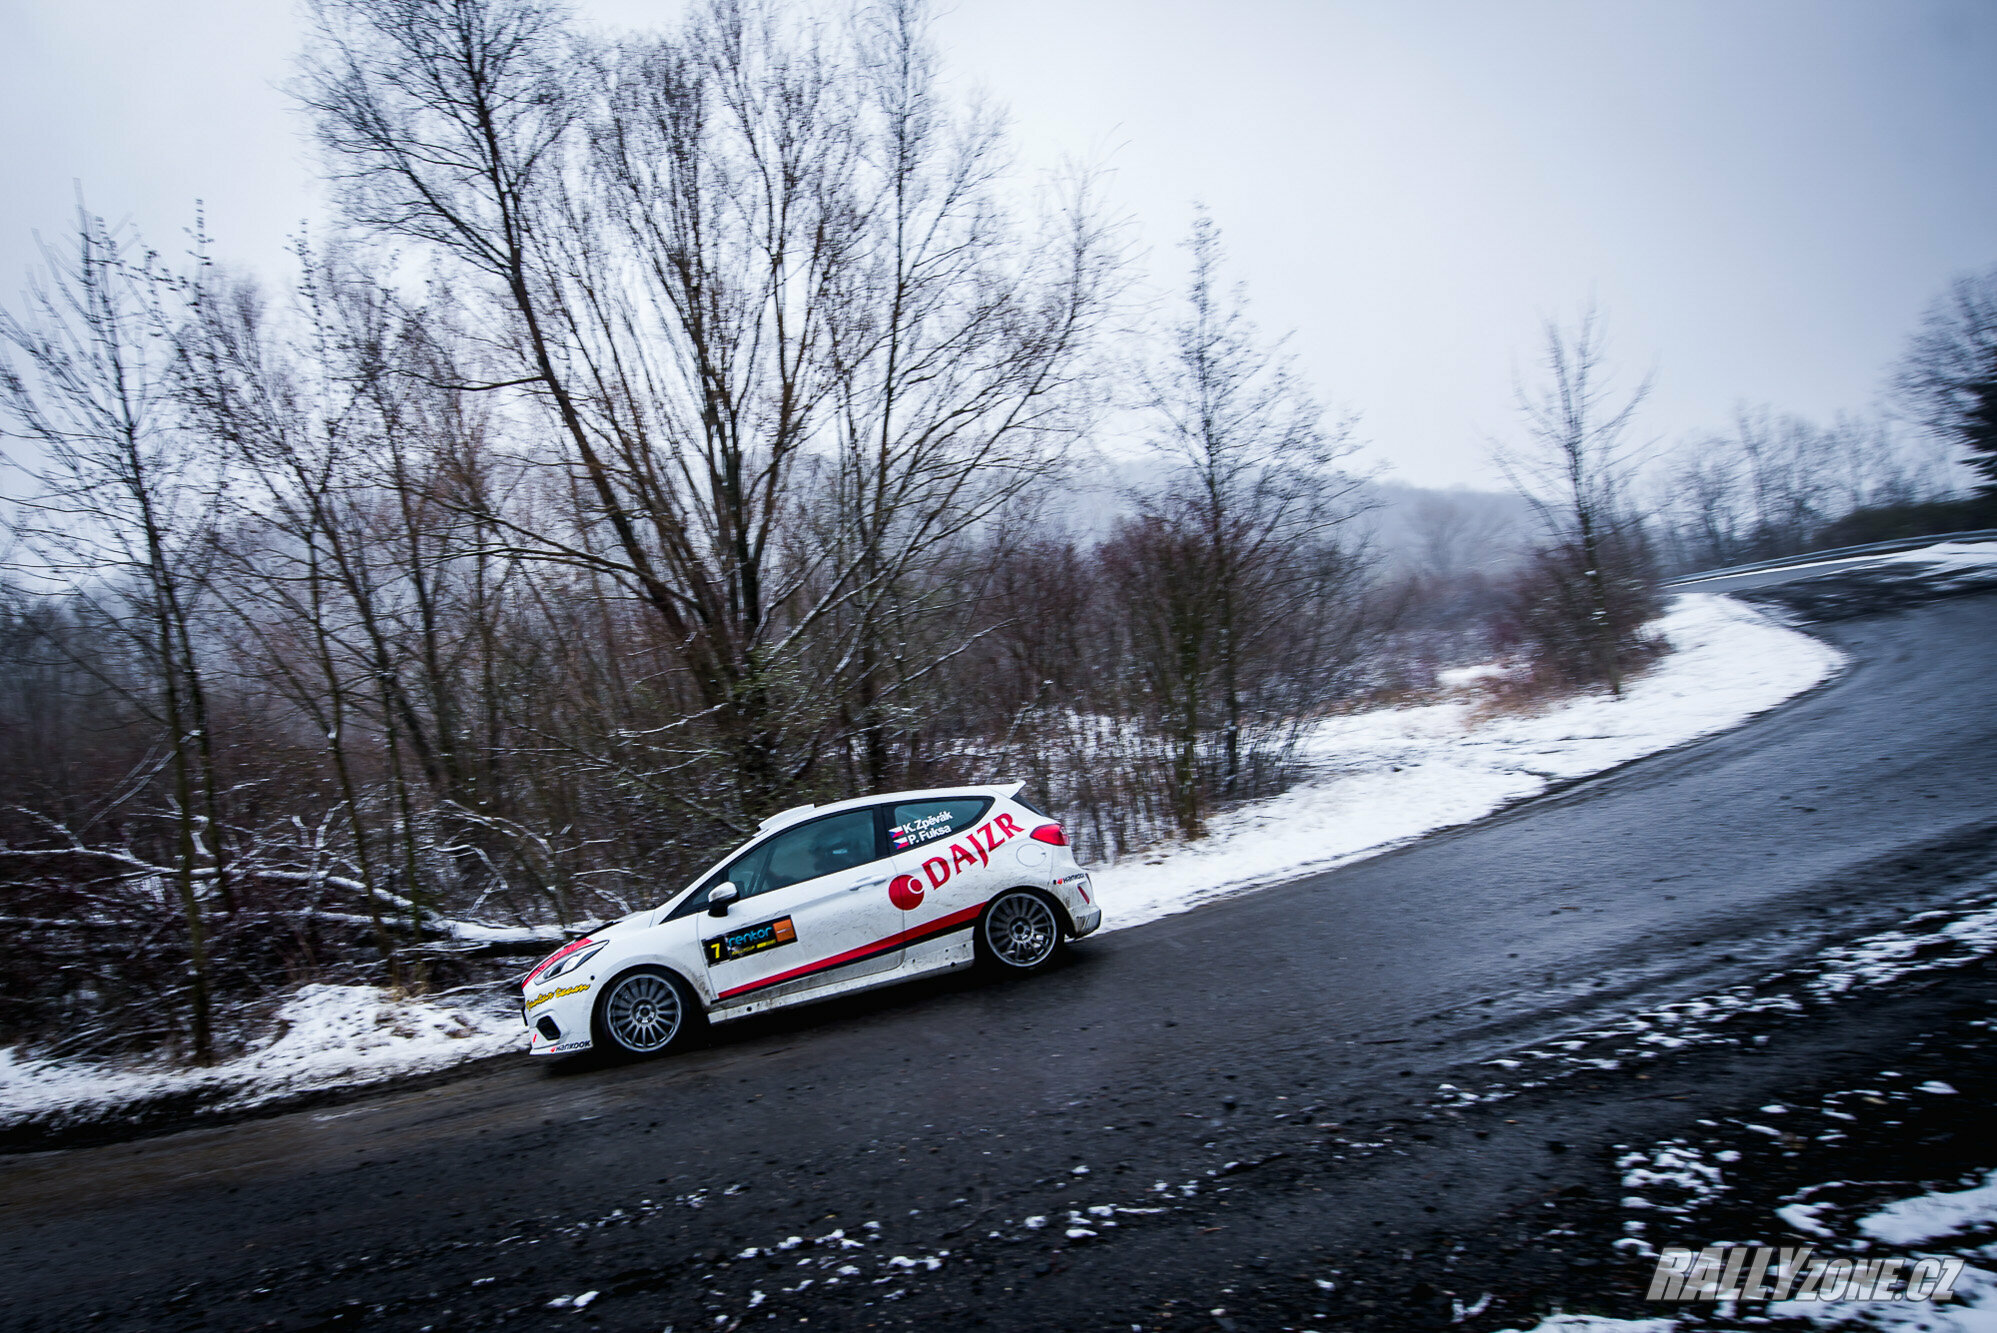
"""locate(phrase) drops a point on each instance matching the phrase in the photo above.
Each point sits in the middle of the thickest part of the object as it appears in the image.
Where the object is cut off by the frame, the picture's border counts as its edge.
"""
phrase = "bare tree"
(293, 558)
(1574, 463)
(738, 273)
(1947, 380)
(1710, 516)
(118, 517)
(1253, 480)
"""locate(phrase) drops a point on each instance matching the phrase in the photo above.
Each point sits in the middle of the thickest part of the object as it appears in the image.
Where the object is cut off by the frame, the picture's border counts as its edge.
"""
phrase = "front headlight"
(562, 962)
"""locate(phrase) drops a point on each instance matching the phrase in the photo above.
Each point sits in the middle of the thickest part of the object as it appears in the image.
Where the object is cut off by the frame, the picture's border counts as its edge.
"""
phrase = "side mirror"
(719, 897)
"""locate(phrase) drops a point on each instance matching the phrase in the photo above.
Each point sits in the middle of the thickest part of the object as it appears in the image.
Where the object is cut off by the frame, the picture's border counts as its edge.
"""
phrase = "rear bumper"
(1078, 896)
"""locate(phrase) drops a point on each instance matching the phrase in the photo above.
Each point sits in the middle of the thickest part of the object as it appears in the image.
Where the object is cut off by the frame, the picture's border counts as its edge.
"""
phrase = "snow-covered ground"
(1964, 557)
(1937, 1224)
(1383, 778)
(1391, 775)
(328, 1037)
(1950, 555)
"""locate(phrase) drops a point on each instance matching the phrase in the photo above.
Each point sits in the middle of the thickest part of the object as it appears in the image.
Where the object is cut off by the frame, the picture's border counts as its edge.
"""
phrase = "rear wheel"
(1018, 932)
(644, 1012)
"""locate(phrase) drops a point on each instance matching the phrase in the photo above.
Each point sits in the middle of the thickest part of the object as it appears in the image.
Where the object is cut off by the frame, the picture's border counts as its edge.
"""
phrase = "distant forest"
(682, 427)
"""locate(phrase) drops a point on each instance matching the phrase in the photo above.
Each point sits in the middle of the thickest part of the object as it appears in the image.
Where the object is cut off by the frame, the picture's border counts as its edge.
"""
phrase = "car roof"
(799, 813)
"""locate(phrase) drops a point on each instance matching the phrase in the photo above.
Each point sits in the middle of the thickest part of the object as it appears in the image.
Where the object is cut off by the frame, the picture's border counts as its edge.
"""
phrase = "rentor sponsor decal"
(750, 939)
(985, 839)
(557, 993)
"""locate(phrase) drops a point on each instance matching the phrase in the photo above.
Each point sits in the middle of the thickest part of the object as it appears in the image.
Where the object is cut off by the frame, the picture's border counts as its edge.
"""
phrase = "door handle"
(869, 884)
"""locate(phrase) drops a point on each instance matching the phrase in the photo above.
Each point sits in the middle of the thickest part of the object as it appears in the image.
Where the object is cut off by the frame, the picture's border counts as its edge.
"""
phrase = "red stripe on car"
(940, 926)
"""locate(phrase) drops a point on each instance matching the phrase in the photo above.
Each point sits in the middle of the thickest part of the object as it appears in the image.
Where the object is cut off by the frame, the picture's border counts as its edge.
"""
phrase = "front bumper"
(557, 1018)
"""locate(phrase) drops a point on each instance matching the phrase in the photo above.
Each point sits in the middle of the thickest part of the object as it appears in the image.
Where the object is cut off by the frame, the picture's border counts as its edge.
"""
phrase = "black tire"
(644, 1012)
(1018, 932)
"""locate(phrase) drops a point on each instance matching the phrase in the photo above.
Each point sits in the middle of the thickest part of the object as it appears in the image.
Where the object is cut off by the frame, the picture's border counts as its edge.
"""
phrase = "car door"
(813, 911)
(945, 869)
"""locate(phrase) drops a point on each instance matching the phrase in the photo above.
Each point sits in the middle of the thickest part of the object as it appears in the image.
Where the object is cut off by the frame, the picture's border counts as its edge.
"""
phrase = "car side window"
(821, 847)
(913, 824)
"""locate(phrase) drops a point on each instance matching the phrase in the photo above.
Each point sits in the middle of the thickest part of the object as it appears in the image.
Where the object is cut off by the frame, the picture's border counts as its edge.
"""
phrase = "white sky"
(1763, 196)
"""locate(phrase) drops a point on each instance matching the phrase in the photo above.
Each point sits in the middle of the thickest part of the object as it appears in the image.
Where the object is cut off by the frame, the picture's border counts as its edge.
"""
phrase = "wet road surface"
(950, 1113)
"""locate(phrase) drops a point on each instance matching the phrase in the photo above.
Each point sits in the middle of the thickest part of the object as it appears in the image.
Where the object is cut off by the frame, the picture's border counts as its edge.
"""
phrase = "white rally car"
(823, 901)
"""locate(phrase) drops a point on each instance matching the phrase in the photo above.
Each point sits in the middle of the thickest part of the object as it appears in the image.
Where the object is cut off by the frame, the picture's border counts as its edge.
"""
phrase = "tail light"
(1050, 834)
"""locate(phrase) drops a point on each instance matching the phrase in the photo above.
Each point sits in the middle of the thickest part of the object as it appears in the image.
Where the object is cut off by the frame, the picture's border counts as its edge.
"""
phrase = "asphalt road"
(949, 1113)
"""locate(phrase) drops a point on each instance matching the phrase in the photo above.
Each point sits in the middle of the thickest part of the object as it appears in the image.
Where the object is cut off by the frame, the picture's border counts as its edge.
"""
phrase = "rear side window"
(913, 824)
(1019, 798)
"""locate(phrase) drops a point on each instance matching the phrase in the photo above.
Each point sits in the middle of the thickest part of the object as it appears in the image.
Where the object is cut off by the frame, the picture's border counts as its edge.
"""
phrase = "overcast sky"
(1763, 196)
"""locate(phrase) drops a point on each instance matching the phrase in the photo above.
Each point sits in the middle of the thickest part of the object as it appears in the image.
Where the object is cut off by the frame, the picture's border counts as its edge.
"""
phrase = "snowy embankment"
(1386, 777)
(328, 1037)
(1938, 1224)
(1382, 779)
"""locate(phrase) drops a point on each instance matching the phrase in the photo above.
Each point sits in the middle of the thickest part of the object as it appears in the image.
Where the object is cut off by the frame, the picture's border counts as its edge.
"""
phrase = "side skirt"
(947, 954)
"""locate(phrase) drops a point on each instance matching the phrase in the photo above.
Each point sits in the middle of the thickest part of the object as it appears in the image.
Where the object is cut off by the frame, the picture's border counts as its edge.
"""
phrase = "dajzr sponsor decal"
(985, 839)
(557, 993)
(905, 892)
(1771, 1273)
(750, 939)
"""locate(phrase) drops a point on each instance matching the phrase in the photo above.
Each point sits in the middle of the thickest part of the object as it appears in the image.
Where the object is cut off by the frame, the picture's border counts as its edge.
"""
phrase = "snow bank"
(329, 1036)
(1929, 1217)
(1955, 555)
(1389, 776)
(1588, 1323)
(1973, 1311)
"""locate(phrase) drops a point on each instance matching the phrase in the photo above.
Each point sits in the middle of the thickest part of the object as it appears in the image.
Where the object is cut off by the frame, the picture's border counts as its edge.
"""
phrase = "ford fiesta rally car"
(823, 901)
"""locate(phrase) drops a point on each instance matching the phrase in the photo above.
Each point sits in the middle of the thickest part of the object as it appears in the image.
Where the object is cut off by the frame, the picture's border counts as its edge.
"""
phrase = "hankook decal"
(1080, 880)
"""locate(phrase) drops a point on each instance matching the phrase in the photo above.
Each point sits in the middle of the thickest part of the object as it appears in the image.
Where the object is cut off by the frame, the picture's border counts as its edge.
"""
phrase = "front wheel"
(644, 1012)
(1018, 932)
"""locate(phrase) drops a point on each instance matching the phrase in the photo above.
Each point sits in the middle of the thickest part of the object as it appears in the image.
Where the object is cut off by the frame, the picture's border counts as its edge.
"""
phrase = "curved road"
(949, 1113)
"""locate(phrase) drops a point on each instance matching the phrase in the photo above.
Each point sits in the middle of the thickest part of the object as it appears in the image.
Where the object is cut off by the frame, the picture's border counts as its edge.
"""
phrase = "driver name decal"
(750, 939)
(922, 829)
